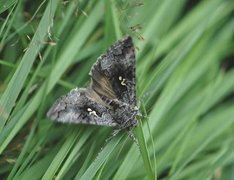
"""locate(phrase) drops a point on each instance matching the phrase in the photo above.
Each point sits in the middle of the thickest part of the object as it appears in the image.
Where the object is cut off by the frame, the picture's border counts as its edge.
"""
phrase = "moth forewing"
(110, 99)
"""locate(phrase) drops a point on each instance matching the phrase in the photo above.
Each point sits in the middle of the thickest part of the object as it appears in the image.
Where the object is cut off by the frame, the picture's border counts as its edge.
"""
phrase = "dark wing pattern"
(113, 76)
(81, 106)
(110, 100)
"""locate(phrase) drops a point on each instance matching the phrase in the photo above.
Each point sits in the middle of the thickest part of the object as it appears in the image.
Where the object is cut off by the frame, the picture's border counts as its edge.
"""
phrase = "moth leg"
(131, 135)
(113, 134)
(139, 114)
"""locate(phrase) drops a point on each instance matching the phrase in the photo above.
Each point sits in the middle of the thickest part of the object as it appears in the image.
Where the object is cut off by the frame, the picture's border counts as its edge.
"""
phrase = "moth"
(110, 98)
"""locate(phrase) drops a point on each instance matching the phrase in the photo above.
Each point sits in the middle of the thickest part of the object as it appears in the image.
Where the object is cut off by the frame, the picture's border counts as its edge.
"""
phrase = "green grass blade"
(100, 159)
(16, 84)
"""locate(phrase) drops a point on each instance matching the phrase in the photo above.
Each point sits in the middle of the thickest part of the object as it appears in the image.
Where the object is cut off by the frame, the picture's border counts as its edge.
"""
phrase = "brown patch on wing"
(93, 96)
(101, 85)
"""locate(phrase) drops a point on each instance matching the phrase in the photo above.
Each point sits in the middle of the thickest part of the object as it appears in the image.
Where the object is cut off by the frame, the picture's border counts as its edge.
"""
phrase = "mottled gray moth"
(110, 99)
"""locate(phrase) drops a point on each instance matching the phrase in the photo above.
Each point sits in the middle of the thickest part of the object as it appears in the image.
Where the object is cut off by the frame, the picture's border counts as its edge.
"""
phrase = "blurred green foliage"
(185, 87)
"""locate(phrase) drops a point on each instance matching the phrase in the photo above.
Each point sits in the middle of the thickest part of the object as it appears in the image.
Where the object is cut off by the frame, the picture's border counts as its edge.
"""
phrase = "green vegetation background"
(185, 85)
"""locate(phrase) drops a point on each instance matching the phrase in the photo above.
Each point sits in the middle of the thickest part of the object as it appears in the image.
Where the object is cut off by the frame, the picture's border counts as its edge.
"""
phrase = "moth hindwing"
(110, 99)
